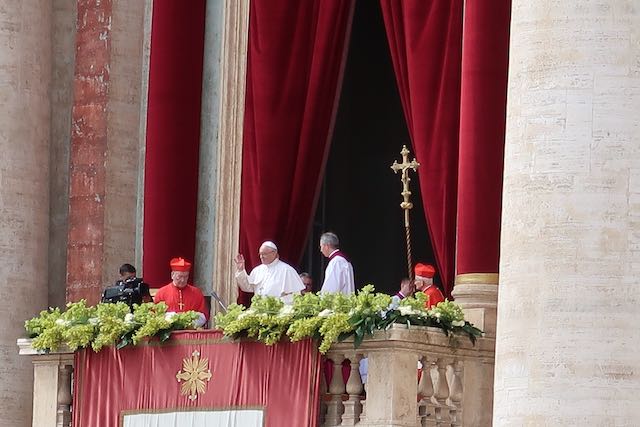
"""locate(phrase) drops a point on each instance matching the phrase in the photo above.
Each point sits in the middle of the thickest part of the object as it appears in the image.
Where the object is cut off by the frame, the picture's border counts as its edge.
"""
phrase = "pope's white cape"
(277, 279)
(197, 418)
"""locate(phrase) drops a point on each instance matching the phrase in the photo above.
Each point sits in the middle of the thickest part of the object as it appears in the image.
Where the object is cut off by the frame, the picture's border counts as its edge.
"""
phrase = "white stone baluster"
(363, 413)
(425, 391)
(64, 396)
(337, 388)
(456, 394)
(442, 394)
(352, 407)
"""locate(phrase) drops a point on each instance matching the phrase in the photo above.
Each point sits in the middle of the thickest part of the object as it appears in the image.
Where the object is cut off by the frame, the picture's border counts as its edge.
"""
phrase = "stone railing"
(415, 377)
(51, 385)
(451, 386)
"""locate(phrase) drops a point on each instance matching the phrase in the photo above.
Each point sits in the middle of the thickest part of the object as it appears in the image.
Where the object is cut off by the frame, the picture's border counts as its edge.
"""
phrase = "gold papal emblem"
(195, 371)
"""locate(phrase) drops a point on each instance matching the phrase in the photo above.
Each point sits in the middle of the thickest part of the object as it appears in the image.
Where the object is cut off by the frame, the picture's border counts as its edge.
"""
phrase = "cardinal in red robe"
(424, 282)
(181, 296)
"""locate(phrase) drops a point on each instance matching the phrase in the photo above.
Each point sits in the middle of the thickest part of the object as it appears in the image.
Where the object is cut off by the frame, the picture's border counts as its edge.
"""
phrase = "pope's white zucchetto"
(270, 244)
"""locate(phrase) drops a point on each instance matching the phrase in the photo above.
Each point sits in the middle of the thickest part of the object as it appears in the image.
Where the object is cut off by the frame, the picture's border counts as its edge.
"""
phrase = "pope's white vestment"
(277, 279)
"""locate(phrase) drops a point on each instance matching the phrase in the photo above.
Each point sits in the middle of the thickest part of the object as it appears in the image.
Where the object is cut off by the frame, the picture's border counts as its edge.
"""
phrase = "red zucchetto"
(179, 264)
(424, 270)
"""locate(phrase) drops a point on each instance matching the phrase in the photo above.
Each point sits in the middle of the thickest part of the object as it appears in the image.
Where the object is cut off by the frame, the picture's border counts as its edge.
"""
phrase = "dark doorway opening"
(360, 197)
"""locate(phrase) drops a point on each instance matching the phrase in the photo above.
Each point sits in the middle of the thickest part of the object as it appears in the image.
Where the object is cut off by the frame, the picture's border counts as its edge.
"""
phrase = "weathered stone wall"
(123, 130)
(567, 334)
(62, 62)
(25, 75)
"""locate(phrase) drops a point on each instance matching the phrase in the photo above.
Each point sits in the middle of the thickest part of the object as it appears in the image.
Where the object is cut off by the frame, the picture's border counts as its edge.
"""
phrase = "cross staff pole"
(406, 204)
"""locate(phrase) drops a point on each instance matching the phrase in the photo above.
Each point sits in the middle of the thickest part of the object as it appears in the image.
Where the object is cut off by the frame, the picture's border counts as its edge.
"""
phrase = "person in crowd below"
(272, 277)
(423, 282)
(307, 281)
(338, 276)
(179, 295)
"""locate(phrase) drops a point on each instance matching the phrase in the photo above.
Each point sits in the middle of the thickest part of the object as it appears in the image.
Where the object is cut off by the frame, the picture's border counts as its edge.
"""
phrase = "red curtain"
(173, 136)
(425, 39)
(296, 55)
(281, 380)
(485, 64)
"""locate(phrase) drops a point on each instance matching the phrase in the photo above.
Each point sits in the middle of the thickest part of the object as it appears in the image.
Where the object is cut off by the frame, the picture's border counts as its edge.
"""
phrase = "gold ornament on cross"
(406, 204)
(195, 371)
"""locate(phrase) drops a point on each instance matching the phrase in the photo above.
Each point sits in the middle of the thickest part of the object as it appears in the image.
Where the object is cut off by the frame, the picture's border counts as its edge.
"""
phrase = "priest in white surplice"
(273, 277)
(338, 276)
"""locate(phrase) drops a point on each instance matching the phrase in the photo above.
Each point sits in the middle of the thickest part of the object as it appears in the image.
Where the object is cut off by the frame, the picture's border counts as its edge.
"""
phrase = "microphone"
(217, 298)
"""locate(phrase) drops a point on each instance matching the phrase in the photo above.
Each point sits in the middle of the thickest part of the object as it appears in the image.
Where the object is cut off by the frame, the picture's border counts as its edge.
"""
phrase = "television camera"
(130, 291)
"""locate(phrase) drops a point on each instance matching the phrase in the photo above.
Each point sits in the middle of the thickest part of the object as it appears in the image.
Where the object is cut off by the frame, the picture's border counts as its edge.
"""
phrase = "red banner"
(197, 379)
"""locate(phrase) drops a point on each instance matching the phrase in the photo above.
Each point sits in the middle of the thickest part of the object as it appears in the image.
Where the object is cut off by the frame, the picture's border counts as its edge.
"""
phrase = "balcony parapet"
(415, 376)
(52, 373)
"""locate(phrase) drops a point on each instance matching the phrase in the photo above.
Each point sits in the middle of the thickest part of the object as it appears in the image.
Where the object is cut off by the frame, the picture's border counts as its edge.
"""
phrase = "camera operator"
(129, 289)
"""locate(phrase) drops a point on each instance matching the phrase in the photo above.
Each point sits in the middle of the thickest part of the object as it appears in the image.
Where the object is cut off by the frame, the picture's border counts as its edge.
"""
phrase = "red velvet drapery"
(483, 104)
(173, 135)
(425, 39)
(295, 60)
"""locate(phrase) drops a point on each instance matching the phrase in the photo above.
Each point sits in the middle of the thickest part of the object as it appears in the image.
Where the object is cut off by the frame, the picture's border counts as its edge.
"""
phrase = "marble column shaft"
(567, 337)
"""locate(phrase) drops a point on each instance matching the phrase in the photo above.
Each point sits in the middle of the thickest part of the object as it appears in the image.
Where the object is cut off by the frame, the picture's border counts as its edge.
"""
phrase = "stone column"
(125, 118)
(87, 169)
(63, 40)
(209, 132)
(229, 149)
(568, 339)
(25, 76)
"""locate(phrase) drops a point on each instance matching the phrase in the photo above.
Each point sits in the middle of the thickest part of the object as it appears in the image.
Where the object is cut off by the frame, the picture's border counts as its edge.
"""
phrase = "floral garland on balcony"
(103, 325)
(333, 317)
(328, 318)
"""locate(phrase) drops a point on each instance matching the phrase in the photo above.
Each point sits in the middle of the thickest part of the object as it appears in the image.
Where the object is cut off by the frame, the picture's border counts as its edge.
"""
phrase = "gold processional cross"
(406, 205)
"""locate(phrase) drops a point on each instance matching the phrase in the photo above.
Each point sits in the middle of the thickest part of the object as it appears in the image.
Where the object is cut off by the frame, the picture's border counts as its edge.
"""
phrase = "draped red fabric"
(485, 62)
(173, 136)
(425, 39)
(295, 60)
(281, 380)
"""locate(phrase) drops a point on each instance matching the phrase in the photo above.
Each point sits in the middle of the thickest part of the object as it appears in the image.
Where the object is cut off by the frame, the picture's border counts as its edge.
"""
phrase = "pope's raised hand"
(239, 262)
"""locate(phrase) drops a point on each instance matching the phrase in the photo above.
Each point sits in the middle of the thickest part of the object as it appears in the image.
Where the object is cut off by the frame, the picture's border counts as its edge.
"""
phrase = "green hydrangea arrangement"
(81, 326)
(333, 317)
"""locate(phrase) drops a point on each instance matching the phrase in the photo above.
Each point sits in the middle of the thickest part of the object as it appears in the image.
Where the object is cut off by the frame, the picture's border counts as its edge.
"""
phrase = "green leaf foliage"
(80, 326)
(333, 317)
